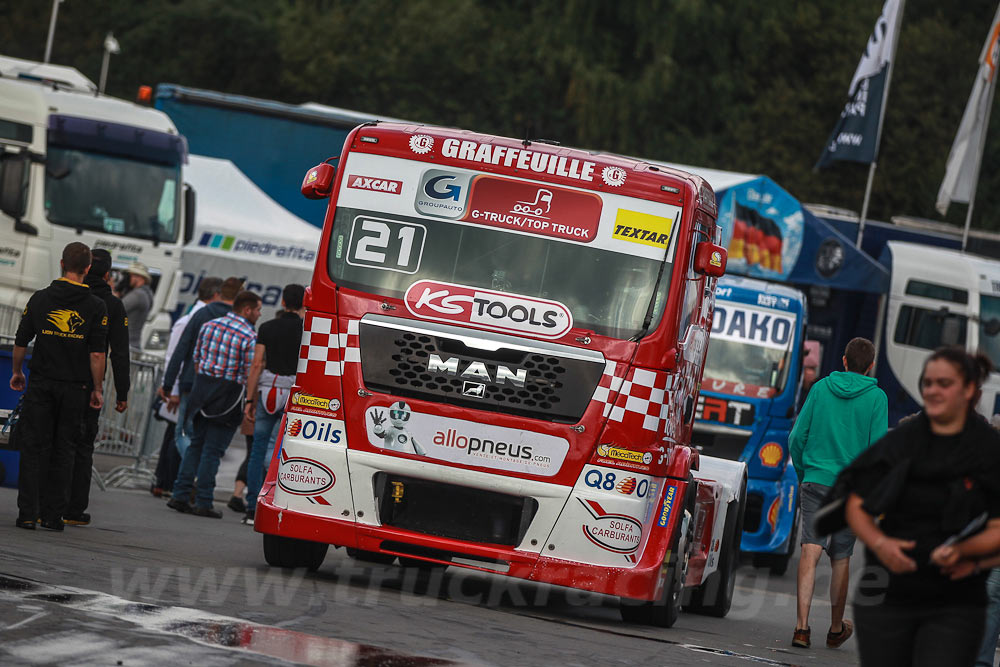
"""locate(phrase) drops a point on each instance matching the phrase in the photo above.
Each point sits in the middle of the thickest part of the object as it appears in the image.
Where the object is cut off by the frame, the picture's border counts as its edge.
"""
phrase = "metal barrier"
(131, 434)
(10, 317)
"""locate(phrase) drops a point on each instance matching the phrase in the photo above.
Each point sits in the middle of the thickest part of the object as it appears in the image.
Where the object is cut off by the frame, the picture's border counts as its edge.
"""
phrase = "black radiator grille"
(398, 361)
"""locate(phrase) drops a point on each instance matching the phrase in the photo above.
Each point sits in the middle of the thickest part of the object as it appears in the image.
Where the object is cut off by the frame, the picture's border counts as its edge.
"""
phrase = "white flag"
(962, 169)
(880, 47)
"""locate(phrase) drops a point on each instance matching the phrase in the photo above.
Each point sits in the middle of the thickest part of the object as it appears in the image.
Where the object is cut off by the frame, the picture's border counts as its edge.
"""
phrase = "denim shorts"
(840, 544)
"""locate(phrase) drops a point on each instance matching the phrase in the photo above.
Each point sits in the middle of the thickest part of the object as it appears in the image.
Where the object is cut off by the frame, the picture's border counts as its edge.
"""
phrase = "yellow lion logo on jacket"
(66, 321)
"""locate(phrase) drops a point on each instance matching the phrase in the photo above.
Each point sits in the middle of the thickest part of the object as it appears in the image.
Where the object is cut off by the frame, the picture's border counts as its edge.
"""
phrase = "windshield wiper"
(648, 320)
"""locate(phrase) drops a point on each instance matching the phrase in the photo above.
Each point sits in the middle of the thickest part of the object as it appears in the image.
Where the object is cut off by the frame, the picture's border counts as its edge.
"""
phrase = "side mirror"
(710, 259)
(189, 202)
(318, 182)
(13, 184)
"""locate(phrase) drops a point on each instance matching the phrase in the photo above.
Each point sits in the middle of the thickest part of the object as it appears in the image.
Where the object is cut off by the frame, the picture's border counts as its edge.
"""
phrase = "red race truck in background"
(499, 370)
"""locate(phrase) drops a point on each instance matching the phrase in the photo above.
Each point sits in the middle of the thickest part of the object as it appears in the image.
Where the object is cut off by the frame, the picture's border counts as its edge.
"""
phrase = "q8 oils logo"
(314, 429)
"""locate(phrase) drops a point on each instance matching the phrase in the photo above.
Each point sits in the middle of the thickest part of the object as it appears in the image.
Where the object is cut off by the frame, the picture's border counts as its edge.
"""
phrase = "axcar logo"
(499, 311)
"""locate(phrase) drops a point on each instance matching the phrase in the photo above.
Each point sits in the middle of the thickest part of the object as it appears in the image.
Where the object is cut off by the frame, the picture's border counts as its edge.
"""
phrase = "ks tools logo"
(499, 311)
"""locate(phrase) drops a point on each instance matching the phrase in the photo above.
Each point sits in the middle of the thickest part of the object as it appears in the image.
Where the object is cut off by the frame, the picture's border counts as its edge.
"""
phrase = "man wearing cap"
(138, 301)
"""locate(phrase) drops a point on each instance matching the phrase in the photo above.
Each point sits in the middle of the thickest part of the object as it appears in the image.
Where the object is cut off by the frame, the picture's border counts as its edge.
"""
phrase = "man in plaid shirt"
(222, 360)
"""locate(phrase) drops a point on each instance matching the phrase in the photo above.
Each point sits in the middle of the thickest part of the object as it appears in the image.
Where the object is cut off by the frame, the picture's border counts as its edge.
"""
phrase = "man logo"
(474, 390)
(66, 321)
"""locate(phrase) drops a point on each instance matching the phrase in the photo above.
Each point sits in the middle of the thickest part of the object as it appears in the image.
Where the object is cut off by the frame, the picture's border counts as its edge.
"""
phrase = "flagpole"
(881, 117)
(979, 162)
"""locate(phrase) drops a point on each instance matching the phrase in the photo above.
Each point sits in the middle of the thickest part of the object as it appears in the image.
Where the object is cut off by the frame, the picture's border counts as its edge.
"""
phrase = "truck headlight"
(158, 339)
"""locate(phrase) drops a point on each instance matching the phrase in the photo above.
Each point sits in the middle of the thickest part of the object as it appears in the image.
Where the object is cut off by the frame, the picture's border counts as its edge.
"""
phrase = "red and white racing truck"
(499, 369)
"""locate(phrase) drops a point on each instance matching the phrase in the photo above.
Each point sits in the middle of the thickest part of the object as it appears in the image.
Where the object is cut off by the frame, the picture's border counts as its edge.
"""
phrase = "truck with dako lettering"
(76, 165)
(499, 370)
(747, 405)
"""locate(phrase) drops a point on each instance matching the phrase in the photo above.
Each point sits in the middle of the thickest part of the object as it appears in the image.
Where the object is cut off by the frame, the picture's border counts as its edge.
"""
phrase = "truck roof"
(42, 89)
(746, 290)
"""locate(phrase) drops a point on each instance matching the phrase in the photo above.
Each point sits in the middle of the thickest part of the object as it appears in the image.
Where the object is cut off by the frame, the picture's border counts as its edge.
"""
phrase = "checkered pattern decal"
(642, 397)
(326, 351)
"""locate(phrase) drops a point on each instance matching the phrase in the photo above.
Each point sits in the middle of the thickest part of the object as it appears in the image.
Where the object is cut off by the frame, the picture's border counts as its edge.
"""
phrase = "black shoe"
(207, 511)
(236, 504)
(28, 524)
(179, 505)
(56, 525)
(81, 519)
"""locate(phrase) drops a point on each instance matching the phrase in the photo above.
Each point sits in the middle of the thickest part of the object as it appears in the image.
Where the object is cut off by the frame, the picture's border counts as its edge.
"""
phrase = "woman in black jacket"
(930, 483)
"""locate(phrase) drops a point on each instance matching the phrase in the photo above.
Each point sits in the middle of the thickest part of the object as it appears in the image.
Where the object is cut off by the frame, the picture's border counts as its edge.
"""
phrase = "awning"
(770, 235)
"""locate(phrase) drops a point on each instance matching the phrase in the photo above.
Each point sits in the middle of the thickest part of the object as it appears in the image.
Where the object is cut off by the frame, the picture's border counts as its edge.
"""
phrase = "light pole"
(52, 29)
(110, 46)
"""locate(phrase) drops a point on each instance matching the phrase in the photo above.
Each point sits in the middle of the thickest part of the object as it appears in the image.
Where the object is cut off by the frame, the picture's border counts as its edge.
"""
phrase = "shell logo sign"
(771, 455)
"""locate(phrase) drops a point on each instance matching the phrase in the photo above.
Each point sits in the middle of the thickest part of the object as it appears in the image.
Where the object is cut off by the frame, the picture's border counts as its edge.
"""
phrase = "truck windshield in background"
(112, 194)
(503, 235)
(750, 351)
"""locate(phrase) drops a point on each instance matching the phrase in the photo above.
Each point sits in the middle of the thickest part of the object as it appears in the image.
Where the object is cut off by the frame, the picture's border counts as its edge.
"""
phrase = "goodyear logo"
(622, 454)
(636, 227)
(315, 402)
(668, 506)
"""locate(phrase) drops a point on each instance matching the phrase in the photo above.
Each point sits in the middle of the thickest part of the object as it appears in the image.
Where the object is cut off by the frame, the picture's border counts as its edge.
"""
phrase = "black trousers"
(83, 462)
(47, 434)
(169, 461)
(926, 635)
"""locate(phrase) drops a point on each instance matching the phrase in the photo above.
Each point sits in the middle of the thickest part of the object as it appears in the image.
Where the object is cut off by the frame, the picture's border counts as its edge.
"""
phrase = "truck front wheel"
(664, 611)
(715, 596)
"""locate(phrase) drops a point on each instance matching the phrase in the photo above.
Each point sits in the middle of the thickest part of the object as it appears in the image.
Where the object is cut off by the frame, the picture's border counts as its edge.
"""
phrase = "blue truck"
(748, 401)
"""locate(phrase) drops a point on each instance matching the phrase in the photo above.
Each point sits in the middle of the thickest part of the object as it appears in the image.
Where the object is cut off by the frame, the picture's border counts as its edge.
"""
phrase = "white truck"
(76, 165)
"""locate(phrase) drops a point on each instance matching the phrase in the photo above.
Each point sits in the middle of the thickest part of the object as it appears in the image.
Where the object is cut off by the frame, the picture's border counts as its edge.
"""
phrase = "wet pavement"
(144, 585)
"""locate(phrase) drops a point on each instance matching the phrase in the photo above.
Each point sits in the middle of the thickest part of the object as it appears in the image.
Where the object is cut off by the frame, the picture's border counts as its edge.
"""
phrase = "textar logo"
(441, 187)
(477, 370)
(498, 311)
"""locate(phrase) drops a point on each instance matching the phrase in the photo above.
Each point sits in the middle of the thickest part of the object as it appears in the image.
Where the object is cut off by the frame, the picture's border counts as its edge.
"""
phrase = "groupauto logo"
(488, 309)
(440, 187)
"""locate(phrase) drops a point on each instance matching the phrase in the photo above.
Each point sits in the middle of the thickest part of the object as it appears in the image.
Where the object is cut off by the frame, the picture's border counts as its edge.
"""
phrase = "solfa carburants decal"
(385, 185)
(302, 476)
(497, 311)
(618, 533)
(397, 427)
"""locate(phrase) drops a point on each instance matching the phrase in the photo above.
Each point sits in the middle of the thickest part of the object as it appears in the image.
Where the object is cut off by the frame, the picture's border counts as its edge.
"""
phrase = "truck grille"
(488, 372)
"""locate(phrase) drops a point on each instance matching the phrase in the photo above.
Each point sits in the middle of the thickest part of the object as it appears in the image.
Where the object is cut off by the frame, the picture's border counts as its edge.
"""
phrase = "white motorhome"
(76, 165)
(937, 297)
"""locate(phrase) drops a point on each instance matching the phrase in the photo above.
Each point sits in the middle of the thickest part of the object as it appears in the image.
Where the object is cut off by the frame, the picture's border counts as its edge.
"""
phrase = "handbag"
(226, 406)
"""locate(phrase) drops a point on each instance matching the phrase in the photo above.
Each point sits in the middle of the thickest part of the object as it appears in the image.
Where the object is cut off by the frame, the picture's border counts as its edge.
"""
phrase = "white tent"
(240, 231)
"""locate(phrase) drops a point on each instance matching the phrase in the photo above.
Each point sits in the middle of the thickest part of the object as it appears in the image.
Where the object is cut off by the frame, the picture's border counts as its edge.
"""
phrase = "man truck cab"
(79, 166)
(748, 402)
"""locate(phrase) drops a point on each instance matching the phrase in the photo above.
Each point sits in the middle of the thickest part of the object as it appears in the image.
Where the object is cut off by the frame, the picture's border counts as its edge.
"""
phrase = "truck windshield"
(749, 351)
(607, 292)
(989, 327)
(111, 194)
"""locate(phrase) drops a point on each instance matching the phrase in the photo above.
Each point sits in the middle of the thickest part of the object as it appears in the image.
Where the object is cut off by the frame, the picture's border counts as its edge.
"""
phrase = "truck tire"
(371, 556)
(664, 611)
(715, 596)
(288, 552)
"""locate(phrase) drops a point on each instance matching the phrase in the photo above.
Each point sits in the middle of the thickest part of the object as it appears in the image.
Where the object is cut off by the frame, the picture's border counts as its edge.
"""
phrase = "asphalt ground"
(144, 585)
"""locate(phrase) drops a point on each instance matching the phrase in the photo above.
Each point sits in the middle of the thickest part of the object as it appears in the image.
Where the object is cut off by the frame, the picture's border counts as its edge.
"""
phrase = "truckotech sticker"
(299, 398)
(397, 427)
(499, 311)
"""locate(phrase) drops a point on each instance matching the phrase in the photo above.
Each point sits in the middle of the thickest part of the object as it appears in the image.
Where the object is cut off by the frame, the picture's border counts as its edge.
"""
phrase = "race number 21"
(390, 245)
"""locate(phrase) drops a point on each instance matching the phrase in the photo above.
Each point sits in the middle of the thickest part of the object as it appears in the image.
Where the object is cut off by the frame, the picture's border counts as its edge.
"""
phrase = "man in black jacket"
(69, 326)
(118, 341)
